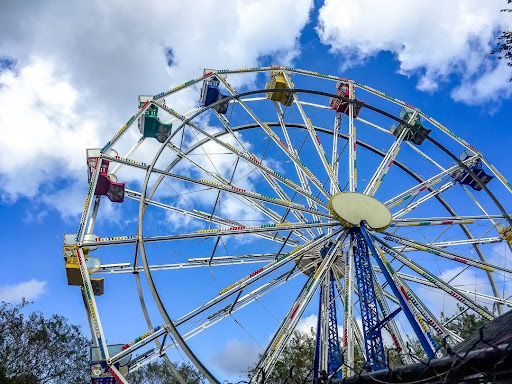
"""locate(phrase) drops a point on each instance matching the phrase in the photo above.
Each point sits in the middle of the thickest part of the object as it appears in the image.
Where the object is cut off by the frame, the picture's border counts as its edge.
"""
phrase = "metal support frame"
(374, 346)
(334, 354)
(327, 346)
(417, 330)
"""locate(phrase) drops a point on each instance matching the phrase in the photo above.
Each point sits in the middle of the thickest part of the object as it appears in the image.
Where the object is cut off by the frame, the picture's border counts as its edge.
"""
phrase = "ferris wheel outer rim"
(240, 95)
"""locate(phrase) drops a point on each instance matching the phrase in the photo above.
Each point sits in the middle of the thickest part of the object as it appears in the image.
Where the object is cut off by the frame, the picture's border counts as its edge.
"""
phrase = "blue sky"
(70, 75)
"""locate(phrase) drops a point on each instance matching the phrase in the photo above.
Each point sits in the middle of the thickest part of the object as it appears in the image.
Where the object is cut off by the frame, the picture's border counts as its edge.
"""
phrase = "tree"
(160, 373)
(35, 349)
(464, 323)
(504, 46)
(300, 351)
(299, 354)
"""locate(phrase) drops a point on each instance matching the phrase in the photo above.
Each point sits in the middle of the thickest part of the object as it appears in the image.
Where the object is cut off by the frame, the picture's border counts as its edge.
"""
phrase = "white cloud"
(489, 86)
(433, 39)
(30, 290)
(73, 90)
(307, 323)
(43, 139)
(236, 357)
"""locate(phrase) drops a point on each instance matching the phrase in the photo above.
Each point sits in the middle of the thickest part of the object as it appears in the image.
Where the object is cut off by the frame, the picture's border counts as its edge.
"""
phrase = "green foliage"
(35, 349)
(300, 350)
(504, 45)
(299, 353)
(393, 359)
(465, 324)
(160, 373)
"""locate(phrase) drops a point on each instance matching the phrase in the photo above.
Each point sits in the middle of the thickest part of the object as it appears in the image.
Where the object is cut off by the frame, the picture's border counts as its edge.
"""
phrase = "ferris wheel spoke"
(288, 151)
(139, 342)
(387, 161)
(225, 122)
(258, 274)
(335, 138)
(425, 156)
(452, 218)
(348, 312)
(412, 206)
(443, 253)
(190, 263)
(209, 217)
(205, 233)
(427, 315)
(378, 127)
(428, 222)
(314, 137)
(128, 154)
(354, 325)
(271, 181)
(302, 171)
(352, 143)
(239, 191)
(427, 283)
(252, 159)
(445, 244)
(414, 191)
(225, 312)
(452, 291)
(128, 124)
(285, 330)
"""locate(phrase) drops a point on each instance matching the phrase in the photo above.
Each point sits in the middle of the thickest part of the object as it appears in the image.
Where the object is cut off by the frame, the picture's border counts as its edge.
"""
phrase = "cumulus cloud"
(63, 92)
(42, 137)
(431, 39)
(236, 357)
(30, 290)
(307, 323)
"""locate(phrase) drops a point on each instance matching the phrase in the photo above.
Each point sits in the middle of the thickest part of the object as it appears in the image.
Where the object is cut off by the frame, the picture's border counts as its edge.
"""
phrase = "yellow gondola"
(277, 81)
(73, 274)
(505, 232)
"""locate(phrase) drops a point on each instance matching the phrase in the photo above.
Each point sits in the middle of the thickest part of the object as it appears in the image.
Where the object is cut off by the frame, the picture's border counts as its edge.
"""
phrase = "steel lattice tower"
(327, 359)
(373, 344)
(334, 356)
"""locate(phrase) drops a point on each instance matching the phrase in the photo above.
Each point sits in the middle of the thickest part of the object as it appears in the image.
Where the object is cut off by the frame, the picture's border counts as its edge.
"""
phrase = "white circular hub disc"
(350, 208)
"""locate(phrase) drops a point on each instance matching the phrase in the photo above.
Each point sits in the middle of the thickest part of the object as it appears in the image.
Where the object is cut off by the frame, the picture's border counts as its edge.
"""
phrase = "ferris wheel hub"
(351, 208)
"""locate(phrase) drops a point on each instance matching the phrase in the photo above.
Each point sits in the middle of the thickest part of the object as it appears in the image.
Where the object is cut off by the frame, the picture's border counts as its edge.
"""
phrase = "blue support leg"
(334, 361)
(374, 347)
(421, 336)
(316, 366)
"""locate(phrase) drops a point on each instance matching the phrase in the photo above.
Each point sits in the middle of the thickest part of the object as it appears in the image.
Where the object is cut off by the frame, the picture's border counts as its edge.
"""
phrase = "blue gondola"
(463, 177)
(416, 136)
(210, 93)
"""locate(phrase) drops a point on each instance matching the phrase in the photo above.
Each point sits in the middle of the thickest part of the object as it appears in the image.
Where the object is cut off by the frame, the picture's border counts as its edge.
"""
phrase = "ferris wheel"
(264, 206)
